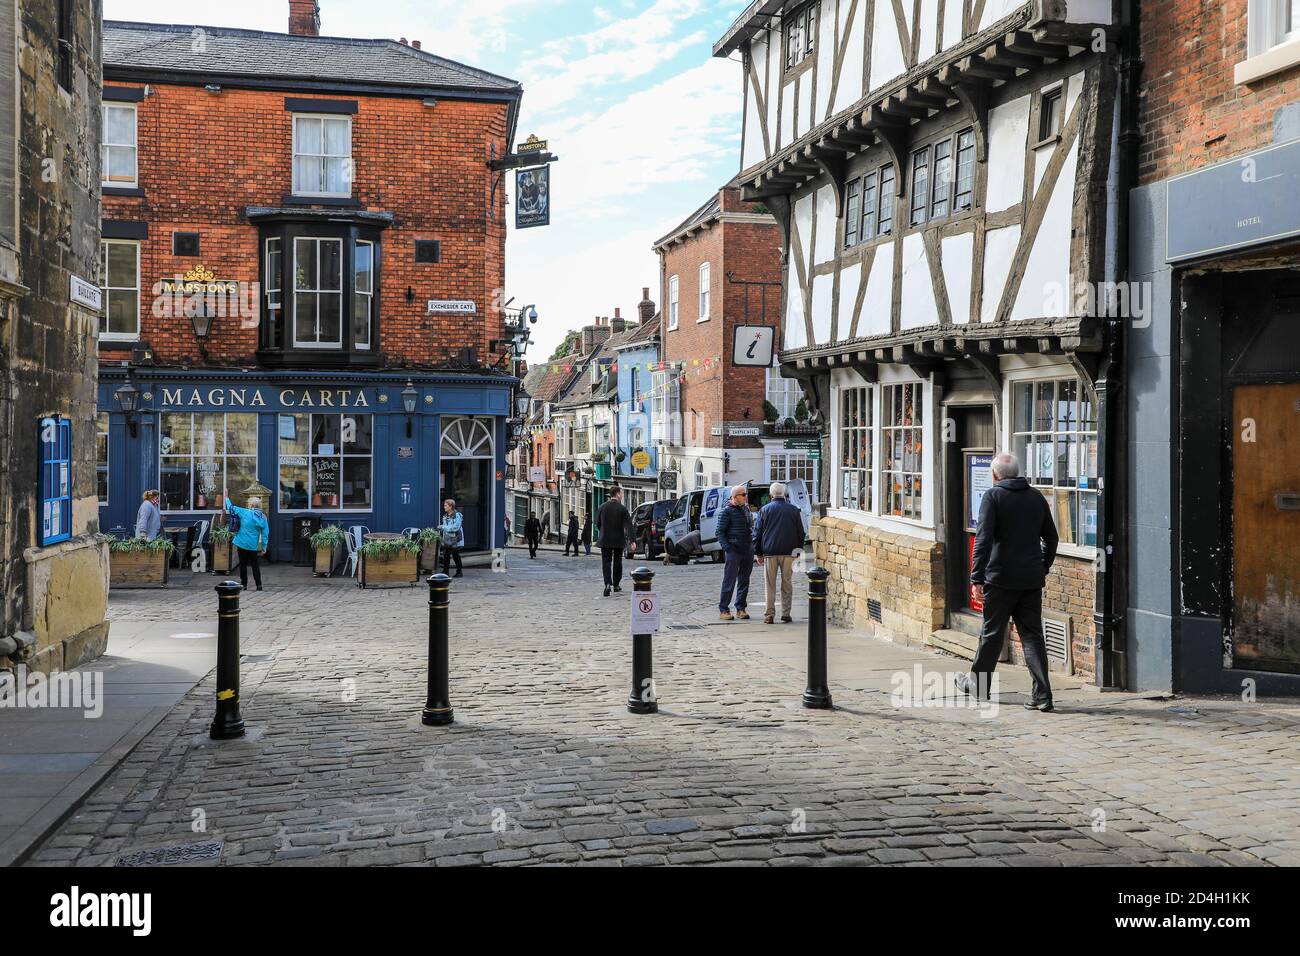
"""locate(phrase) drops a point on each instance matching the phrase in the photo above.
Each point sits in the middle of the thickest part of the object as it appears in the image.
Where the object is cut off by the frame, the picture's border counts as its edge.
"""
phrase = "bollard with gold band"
(437, 705)
(817, 696)
(227, 724)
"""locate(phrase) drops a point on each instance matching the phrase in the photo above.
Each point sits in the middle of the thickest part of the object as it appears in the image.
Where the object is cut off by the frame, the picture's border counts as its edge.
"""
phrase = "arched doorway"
(467, 461)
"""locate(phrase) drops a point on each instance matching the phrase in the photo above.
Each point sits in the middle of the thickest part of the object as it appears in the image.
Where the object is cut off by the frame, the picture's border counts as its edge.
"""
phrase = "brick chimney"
(618, 324)
(304, 18)
(646, 310)
(593, 336)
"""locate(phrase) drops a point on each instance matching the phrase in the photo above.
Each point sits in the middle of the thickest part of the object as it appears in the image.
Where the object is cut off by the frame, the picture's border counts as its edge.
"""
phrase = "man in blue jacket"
(1015, 545)
(735, 539)
(252, 538)
(778, 534)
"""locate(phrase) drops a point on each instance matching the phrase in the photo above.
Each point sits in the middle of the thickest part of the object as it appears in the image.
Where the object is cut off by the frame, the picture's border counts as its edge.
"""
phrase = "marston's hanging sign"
(269, 398)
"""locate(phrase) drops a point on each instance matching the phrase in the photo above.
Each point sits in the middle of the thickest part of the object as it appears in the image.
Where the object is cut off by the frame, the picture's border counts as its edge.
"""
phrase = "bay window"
(317, 293)
(1054, 434)
(326, 462)
(363, 293)
(204, 454)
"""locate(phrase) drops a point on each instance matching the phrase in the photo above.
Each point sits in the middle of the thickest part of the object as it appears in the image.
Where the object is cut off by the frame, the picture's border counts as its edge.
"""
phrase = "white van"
(699, 510)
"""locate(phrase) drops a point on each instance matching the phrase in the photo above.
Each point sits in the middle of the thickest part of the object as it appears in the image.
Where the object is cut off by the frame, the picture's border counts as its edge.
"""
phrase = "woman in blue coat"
(251, 539)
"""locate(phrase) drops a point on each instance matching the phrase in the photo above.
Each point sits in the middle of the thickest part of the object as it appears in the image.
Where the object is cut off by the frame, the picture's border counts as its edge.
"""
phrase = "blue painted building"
(337, 445)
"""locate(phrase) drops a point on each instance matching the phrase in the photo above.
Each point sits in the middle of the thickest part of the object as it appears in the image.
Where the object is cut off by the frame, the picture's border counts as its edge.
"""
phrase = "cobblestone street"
(545, 765)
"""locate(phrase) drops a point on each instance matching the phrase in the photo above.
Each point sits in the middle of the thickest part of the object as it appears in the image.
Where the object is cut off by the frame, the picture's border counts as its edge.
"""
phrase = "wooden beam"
(975, 99)
(1021, 42)
(894, 106)
(978, 66)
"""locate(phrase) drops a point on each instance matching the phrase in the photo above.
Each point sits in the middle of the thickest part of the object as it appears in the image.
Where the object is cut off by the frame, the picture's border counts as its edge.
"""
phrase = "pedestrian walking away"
(778, 535)
(148, 520)
(1015, 545)
(571, 535)
(533, 534)
(251, 539)
(452, 532)
(735, 536)
(586, 531)
(615, 530)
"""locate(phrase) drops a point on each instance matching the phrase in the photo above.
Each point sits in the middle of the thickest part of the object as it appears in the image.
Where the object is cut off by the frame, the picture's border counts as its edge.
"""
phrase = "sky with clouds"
(645, 121)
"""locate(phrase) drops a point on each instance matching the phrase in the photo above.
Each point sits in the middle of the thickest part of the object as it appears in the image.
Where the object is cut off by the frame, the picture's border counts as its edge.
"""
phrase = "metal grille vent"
(873, 610)
(1056, 634)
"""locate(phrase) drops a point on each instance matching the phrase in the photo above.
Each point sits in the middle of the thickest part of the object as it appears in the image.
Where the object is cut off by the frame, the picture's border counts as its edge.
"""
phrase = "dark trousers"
(735, 575)
(532, 547)
(247, 560)
(611, 565)
(1026, 609)
(448, 554)
(571, 542)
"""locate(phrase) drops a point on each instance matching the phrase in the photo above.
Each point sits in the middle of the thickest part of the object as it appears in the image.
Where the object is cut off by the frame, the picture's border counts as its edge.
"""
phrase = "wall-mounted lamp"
(409, 397)
(128, 399)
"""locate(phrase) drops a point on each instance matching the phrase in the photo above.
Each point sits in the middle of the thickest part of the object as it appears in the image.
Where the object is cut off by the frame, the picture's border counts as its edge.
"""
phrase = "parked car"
(648, 523)
(699, 510)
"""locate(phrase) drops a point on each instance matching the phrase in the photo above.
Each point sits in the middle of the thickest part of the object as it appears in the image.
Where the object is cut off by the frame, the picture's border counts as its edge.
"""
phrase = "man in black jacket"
(1015, 546)
(615, 529)
(532, 534)
(571, 539)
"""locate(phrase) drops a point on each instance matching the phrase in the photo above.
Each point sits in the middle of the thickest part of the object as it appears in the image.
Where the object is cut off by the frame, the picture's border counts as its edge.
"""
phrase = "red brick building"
(1211, 366)
(303, 264)
(721, 269)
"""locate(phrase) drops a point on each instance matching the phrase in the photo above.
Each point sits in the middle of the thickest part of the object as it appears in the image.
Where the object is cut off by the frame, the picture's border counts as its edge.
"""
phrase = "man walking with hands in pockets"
(778, 534)
(1015, 546)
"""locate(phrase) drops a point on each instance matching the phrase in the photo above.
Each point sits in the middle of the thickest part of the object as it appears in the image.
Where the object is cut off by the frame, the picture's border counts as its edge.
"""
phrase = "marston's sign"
(198, 279)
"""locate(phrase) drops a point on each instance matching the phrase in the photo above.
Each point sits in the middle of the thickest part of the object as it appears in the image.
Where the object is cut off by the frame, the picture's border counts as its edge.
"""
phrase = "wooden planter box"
(223, 558)
(429, 558)
(137, 569)
(326, 558)
(387, 572)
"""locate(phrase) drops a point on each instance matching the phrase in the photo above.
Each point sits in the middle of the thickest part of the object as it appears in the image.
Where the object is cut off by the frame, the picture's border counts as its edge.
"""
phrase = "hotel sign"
(1244, 202)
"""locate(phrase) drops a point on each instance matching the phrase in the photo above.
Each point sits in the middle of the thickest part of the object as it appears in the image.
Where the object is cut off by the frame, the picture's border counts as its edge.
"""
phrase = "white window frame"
(104, 427)
(193, 456)
(322, 156)
(1272, 39)
(369, 297)
(674, 302)
(316, 242)
(782, 392)
(1034, 375)
(311, 455)
(705, 297)
(107, 290)
(923, 528)
(106, 147)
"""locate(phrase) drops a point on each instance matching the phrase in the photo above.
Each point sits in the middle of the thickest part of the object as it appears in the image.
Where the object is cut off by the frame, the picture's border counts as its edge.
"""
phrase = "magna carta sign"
(268, 397)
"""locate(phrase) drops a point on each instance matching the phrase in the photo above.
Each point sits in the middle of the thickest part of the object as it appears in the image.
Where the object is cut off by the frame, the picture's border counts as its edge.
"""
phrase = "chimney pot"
(416, 44)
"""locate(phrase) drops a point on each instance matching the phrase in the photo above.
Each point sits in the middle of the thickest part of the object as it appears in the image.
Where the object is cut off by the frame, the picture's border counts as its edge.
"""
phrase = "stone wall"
(903, 573)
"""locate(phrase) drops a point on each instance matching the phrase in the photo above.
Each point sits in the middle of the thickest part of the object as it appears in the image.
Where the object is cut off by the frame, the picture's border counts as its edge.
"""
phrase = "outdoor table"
(175, 533)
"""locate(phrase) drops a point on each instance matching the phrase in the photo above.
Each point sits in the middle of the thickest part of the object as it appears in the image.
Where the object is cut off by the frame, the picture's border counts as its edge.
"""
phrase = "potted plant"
(223, 556)
(138, 562)
(390, 561)
(325, 545)
(801, 411)
(770, 414)
(430, 541)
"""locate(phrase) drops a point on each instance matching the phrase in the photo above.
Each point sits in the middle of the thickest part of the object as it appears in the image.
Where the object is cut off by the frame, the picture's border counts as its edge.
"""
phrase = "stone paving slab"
(544, 765)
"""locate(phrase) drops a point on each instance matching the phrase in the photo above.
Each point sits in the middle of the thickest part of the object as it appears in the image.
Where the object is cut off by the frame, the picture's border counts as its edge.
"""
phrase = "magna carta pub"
(303, 247)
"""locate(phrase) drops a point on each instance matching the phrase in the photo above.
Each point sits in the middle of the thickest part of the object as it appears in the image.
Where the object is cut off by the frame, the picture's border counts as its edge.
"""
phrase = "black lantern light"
(409, 397)
(128, 399)
(201, 319)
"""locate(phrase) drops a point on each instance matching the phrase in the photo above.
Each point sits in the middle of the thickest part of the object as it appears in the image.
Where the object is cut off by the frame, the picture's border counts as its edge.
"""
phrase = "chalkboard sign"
(325, 481)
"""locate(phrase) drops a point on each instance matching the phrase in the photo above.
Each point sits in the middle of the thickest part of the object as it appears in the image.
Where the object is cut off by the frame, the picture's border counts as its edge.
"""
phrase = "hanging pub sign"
(533, 197)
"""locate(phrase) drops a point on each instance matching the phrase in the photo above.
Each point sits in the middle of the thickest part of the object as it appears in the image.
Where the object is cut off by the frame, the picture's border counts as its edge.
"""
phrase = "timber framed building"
(943, 172)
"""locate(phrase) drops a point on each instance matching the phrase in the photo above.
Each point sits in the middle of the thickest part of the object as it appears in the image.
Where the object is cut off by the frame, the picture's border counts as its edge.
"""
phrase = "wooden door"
(1266, 527)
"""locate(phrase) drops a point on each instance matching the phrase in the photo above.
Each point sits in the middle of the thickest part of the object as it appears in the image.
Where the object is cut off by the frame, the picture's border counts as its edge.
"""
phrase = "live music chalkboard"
(325, 480)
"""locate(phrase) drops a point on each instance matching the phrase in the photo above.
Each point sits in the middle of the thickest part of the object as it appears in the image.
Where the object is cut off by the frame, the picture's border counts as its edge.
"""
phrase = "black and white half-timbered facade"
(944, 172)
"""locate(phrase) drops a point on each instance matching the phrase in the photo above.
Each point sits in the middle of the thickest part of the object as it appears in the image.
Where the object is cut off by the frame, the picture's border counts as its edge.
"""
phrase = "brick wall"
(204, 158)
(903, 573)
(1071, 587)
(1193, 113)
(751, 251)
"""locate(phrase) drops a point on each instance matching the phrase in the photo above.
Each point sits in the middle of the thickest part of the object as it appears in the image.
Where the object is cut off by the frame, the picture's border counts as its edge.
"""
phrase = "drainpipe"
(1111, 646)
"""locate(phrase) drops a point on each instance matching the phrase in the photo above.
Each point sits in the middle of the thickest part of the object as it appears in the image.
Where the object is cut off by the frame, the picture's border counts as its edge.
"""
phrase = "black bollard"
(642, 699)
(437, 706)
(818, 695)
(227, 724)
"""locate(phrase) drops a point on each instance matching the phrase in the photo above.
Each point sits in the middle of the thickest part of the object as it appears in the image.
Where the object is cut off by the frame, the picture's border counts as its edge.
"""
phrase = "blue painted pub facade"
(336, 445)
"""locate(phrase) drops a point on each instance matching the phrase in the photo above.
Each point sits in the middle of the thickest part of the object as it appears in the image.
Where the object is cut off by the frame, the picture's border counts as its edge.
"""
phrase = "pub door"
(1266, 527)
(469, 481)
(967, 458)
